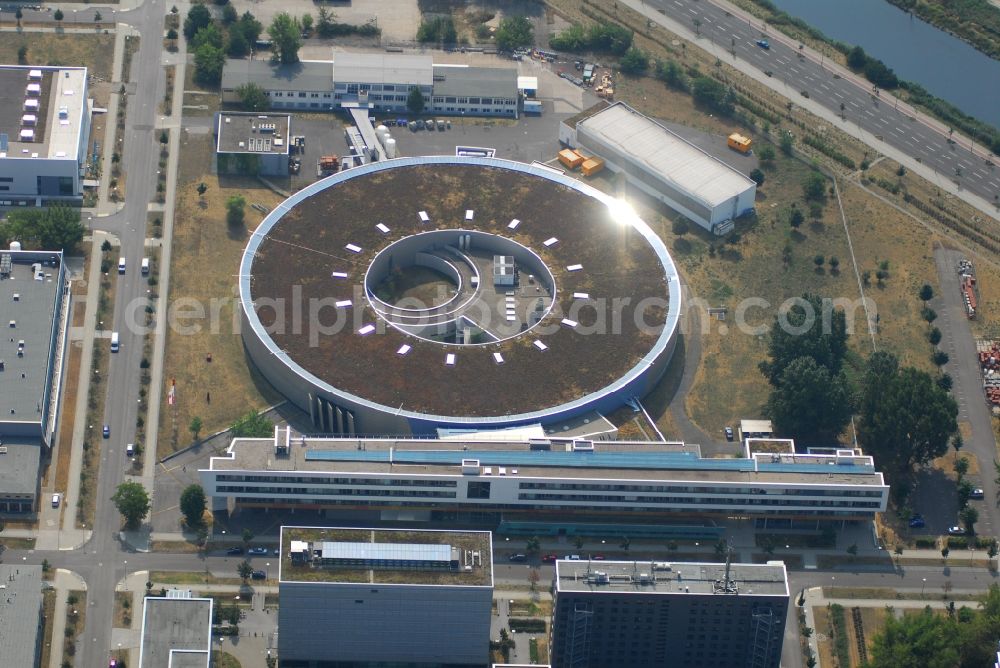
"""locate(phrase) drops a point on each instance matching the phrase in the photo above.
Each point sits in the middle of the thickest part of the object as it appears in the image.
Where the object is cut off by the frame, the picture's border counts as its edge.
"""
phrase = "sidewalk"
(63, 582)
(110, 135)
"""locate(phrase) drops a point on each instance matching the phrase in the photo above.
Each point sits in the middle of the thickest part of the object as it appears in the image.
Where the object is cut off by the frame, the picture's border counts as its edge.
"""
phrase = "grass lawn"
(190, 578)
(206, 255)
(96, 51)
(76, 614)
(17, 543)
(222, 659)
(123, 609)
(824, 635)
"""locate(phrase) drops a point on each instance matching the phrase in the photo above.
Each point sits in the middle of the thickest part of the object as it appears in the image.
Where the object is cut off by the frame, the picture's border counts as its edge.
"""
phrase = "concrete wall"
(384, 623)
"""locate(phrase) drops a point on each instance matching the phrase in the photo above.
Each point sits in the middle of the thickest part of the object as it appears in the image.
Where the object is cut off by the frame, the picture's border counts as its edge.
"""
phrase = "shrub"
(527, 624)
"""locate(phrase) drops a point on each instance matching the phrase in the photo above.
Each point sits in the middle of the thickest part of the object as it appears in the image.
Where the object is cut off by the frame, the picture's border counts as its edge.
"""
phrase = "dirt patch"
(48, 613)
(96, 52)
(64, 449)
(123, 610)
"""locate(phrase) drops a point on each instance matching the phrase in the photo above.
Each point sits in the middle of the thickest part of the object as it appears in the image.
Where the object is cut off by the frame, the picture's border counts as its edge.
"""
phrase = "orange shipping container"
(570, 158)
(738, 142)
(592, 166)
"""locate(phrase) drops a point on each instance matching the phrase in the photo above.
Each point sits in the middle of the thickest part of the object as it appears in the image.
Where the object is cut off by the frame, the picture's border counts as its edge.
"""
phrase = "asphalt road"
(846, 95)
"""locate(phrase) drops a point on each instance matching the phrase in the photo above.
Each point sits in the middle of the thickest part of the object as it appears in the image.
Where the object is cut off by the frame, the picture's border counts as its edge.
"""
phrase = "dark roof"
(475, 81)
(19, 466)
(20, 611)
(303, 76)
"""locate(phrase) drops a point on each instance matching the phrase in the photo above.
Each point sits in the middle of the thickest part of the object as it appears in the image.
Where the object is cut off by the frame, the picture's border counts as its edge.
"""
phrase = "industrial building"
(662, 164)
(21, 614)
(44, 128)
(250, 143)
(538, 356)
(632, 614)
(376, 597)
(490, 482)
(176, 631)
(34, 293)
(379, 82)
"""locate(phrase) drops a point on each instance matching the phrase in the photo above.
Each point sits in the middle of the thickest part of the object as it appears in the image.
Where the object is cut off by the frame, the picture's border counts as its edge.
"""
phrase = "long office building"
(379, 82)
(624, 614)
(468, 480)
(44, 128)
(21, 614)
(357, 598)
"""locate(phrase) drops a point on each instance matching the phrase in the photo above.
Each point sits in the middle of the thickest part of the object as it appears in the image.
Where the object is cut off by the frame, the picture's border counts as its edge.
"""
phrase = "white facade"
(51, 165)
(663, 165)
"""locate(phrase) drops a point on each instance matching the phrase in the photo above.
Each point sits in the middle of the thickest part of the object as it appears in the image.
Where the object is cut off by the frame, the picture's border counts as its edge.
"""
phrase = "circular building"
(476, 293)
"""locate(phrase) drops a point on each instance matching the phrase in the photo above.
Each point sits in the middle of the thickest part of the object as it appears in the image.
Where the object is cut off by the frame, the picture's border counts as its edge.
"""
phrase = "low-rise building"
(21, 615)
(44, 128)
(377, 597)
(484, 481)
(251, 143)
(176, 631)
(35, 300)
(632, 614)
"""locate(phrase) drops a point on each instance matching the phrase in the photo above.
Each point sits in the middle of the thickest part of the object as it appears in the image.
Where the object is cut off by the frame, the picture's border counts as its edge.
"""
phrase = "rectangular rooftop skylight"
(367, 329)
(541, 346)
(468, 214)
(551, 241)
(574, 267)
(581, 295)
(338, 274)
(569, 323)
(344, 303)
(423, 216)
(513, 224)
(403, 349)
(382, 228)
(450, 359)
(353, 248)
(498, 358)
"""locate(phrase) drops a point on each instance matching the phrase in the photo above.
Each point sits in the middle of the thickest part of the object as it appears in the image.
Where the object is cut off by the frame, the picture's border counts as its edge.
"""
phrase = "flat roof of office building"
(625, 460)
(305, 76)
(380, 544)
(33, 312)
(475, 81)
(383, 68)
(20, 610)
(252, 133)
(664, 577)
(62, 102)
(19, 462)
(664, 153)
(176, 632)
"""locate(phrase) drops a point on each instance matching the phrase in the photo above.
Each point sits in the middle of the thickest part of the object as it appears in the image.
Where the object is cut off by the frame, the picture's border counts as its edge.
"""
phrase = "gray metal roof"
(659, 151)
(20, 612)
(34, 314)
(176, 633)
(304, 76)
(475, 81)
(382, 68)
(238, 132)
(387, 551)
(19, 466)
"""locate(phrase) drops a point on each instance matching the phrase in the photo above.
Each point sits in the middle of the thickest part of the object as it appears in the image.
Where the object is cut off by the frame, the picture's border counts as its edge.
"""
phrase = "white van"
(114, 342)
(145, 266)
(130, 450)
(55, 500)
(121, 265)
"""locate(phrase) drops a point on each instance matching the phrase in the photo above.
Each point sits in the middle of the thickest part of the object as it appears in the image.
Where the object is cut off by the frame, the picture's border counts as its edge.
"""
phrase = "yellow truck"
(738, 142)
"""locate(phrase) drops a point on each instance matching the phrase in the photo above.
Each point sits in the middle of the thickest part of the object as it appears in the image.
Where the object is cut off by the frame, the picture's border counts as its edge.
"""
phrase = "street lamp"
(126, 574)
(922, 585)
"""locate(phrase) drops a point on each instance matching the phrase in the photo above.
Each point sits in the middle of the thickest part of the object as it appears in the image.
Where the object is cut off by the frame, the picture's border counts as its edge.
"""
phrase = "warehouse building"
(380, 597)
(662, 164)
(21, 614)
(379, 82)
(44, 128)
(34, 293)
(250, 143)
(490, 481)
(630, 614)
(176, 631)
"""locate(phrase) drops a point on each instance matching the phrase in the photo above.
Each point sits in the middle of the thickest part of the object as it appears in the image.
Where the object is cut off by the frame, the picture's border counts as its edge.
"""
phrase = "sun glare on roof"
(622, 212)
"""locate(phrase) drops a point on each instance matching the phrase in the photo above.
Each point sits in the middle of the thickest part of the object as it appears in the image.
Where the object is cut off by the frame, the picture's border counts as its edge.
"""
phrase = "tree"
(22, 55)
(924, 640)
(819, 260)
(208, 63)
(237, 46)
(928, 314)
(415, 100)
(229, 15)
(247, 537)
(202, 188)
(18, 14)
(680, 226)
(905, 419)
(786, 141)
(56, 227)
(325, 22)
(635, 61)
(961, 467)
(286, 33)
(197, 18)
(853, 550)
(533, 545)
(97, 17)
(809, 402)
(58, 15)
(253, 97)
(625, 543)
(252, 425)
(250, 27)
(307, 24)
(811, 328)
(757, 176)
(244, 570)
(934, 336)
(210, 34)
(514, 32)
(578, 541)
(766, 153)
(814, 186)
(440, 29)
(235, 210)
(926, 293)
(964, 489)
(993, 549)
(940, 357)
(834, 263)
(945, 551)
(172, 35)
(132, 502)
(796, 218)
(713, 94)
(673, 75)
(195, 427)
(192, 505)
(969, 517)
(856, 58)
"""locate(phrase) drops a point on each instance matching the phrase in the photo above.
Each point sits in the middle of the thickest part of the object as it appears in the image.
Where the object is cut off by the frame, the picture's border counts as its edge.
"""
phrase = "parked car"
(257, 550)
(235, 550)
(130, 450)
(977, 493)
(764, 44)
(729, 433)
(572, 557)
(549, 559)
(518, 558)
(106, 431)
(259, 575)
(55, 500)
(597, 557)
(956, 531)
(277, 551)
(917, 522)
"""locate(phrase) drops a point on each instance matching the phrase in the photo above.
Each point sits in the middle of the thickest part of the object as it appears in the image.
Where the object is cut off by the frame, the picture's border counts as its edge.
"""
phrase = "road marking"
(976, 174)
(824, 86)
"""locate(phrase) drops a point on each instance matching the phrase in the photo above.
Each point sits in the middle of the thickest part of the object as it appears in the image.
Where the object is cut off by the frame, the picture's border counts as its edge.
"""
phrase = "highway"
(846, 95)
